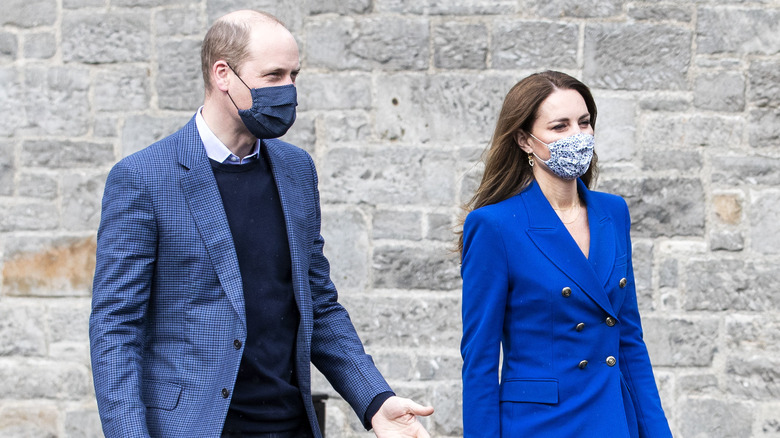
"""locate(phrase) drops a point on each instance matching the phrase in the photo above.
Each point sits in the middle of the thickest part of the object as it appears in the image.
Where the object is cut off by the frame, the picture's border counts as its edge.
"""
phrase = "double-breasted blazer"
(168, 324)
(574, 362)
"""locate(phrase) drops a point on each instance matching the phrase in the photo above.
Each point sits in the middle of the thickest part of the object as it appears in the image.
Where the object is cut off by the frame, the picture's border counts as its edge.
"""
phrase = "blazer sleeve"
(125, 263)
(336, 349)
(635, 361)
(485, 288)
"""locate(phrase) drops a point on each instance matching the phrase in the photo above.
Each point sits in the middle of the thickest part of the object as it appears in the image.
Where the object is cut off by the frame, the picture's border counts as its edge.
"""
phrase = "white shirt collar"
(215, 149)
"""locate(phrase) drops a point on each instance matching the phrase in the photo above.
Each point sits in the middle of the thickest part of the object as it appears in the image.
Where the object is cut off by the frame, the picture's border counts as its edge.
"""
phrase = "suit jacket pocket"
(529, 390)
(161, 395)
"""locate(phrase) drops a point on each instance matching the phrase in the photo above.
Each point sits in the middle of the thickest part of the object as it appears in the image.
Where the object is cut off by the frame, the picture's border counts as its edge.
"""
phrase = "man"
(212, 295)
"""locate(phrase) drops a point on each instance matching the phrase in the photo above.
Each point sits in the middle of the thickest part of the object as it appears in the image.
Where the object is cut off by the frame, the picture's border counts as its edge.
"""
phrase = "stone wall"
(397, 100)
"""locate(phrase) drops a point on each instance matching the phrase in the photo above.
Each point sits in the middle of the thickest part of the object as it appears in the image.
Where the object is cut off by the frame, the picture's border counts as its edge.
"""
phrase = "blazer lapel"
(205, 203)
(553, 239)
(291, 206)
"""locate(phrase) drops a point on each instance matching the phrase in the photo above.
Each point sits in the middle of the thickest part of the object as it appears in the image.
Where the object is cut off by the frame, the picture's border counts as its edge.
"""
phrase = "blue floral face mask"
(570, 156)
(272, 112)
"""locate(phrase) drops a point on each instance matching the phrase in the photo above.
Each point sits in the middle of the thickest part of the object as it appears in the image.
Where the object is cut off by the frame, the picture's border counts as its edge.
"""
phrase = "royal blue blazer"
(168, 303)
(574, 362)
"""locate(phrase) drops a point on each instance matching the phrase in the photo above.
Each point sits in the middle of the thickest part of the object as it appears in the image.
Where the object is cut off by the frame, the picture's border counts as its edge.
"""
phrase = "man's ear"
(220, 74)
(522, 139)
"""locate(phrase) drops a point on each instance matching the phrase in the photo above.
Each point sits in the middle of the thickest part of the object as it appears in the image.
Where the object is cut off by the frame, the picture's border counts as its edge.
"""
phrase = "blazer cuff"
(374, 406)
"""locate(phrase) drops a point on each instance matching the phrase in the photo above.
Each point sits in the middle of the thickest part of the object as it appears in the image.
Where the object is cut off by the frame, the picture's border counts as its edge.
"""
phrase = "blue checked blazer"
(574, 362)
(168, 303)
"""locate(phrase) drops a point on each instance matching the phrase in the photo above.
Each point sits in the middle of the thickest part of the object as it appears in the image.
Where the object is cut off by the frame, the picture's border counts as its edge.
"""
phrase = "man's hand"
(397, 418)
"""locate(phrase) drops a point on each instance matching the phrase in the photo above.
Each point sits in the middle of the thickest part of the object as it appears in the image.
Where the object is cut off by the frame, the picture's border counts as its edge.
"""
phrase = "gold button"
(580, 326)
(610, 321)
(611, 361)
(583, 364)
(566, 292)
(623, 282)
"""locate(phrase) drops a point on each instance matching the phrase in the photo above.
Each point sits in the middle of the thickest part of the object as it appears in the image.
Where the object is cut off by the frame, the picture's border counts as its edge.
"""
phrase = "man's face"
(273, 61)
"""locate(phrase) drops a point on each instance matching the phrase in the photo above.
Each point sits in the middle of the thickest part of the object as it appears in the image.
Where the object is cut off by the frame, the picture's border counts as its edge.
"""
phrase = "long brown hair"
(507, 171)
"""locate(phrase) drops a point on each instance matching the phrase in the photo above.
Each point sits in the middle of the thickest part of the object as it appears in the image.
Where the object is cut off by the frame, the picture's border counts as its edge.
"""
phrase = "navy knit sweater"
(266, 397)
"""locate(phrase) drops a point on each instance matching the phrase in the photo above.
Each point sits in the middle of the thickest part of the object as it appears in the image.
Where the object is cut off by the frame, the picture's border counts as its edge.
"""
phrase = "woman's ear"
(521, 138)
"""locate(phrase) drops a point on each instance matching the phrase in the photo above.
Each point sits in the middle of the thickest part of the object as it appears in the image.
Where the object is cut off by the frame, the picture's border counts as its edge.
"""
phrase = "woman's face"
(562, 114)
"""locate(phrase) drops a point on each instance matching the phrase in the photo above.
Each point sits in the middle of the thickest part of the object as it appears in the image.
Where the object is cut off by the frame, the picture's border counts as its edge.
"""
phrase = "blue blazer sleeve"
(125, 264)
(336, 349)
(485, 287)
(635, 362)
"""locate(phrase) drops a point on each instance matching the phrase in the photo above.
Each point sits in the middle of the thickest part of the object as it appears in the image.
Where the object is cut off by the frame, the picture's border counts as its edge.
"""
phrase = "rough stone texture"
(720, 91)
(397, 101)
(460, 45)
(738, 31)
(526, 44)
(636, 56)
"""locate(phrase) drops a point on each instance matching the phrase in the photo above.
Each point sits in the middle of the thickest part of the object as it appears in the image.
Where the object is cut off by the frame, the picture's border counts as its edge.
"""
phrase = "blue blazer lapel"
(291, 200)
(205, 203)
(552, 238)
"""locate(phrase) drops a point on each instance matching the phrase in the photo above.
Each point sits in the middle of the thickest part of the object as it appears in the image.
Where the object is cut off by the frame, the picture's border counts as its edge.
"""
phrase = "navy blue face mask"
(272, 112)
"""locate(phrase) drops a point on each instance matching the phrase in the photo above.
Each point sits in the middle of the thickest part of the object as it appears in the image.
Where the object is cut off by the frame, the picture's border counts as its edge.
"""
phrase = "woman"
(547, 276)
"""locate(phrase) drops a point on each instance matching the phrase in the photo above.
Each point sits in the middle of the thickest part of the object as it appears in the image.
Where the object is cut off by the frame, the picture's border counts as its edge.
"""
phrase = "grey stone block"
(664, 102)
(40, 45)
(398, 225)
(54, 154)
(450, 7)
(44, 379)
(755, 377)
(448, 401)
(122, 89)
(80, 4)
(22, 330)
(81, 195)
(48, 266)
(28, 216)
(686, 131)
(399, 267)
(405, 320)
(643, 262)
(37, 185)
(573, 8)
(686, 161)
(727, 240)
(681, 342)
(347, 247)
(741, 170)
(431, 367)
(180, 21)
(669, 273)
(662, 206)
(460, 45)
(765, 226)
(764, 128)
(321, 91)
(392, 175)
(730, 285)
(615, 129)
(56, 100)
(752, 334)
(179, 79)
(764, 83)
(106, 126)
(443, 108)
(676, 12)
(386, 43)
(636, 56)
(344, 127)
(9, 47)
(29, 13)
(441, 227)
(737, 30)
(6, 168)
(342, 7)
(534, 45)
(720, 91)
(724, 418)
(84, 424)
(291, 12)
(106, 37)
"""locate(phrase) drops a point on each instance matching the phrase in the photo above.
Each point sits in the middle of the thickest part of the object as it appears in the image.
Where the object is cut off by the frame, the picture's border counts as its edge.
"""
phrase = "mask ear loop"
(242, 81)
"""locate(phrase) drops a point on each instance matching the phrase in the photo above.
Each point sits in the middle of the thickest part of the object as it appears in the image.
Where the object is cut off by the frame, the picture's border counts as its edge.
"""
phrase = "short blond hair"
(228, 40)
